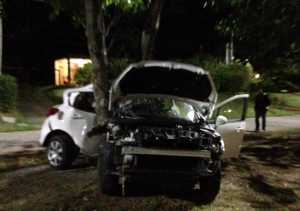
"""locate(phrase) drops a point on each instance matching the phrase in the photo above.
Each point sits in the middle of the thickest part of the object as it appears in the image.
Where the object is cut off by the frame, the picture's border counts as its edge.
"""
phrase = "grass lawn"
(9, 127)
(286, 99)
(22, 123)
(32, 106)
(283, 104)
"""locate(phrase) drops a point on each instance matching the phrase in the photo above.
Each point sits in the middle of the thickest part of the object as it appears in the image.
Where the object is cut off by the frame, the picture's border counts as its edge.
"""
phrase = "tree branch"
(112, 23)
(151, 28)
(110, 45)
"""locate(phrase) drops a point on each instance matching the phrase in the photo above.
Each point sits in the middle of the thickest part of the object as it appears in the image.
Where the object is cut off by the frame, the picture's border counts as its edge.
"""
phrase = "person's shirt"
(262, 101)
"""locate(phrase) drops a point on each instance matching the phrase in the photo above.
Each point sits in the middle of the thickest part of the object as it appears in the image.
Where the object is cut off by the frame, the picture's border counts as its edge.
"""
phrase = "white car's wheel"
(61, 152)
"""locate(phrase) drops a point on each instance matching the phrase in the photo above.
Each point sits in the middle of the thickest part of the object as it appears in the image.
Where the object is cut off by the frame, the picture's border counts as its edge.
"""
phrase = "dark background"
(34, 37)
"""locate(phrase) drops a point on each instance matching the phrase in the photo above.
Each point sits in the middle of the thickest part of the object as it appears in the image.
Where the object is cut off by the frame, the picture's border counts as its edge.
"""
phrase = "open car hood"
(166, 78)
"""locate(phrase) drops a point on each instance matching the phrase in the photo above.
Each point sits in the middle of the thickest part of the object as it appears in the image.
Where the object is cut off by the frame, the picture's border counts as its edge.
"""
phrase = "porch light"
(257, 76)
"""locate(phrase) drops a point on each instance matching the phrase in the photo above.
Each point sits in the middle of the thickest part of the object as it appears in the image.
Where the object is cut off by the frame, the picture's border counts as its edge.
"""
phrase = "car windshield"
(158, 106)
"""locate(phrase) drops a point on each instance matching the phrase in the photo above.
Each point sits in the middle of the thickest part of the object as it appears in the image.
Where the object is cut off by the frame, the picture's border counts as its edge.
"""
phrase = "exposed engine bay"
(177, 137)
(175, 141)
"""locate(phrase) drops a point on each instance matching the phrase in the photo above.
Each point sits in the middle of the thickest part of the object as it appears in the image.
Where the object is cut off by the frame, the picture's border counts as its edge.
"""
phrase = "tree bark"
(95, 32)
(1, 35)
(1, 44)
(151, 28)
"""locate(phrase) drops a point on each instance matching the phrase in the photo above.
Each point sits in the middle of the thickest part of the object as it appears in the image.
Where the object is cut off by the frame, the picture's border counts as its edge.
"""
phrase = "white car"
(64, 132)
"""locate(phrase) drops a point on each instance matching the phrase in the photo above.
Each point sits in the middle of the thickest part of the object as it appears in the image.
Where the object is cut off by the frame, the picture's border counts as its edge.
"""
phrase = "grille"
(176, 138)
(167, 163)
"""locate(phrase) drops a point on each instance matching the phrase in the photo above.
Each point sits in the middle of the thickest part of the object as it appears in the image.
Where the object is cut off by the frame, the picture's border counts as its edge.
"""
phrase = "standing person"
(262, 102)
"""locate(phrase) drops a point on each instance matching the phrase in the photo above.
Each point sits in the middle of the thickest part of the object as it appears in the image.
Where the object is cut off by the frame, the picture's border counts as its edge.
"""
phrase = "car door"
(82, 120)
(232, 132)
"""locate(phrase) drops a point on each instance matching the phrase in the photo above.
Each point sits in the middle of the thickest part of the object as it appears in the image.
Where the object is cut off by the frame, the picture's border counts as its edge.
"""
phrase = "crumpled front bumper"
(155, 161)
(165, 152)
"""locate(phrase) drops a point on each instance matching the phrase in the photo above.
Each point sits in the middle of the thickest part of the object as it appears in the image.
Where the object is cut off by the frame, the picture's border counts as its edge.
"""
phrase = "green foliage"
(126, 5)
(286, 99)
(231, 78)
(8, 93)
(84, 75)
(76, 8)
(275, 35)
(116, 66)
(287, 70)
(234, 77)
(284, 75)
(54, 93)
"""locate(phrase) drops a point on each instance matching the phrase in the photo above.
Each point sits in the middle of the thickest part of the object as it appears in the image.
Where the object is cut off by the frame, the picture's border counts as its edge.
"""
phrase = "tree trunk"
(1, 43)
(1, 35)
(151, 28)
(95, 32)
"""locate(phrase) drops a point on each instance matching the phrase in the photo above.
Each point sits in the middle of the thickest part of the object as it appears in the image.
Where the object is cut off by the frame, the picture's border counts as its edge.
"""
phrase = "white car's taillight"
(52, 111)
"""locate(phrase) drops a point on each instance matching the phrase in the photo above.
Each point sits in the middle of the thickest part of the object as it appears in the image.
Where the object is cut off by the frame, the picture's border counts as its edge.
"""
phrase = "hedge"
(115, 67)
(8, 93)
(235, 77)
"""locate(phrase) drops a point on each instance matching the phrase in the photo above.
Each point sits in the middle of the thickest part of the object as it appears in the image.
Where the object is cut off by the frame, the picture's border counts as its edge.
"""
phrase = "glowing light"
(257, 76)
(79, 62)
(66, 69)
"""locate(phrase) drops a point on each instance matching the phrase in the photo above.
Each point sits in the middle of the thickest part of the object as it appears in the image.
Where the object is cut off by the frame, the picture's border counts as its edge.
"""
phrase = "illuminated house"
(66, 70)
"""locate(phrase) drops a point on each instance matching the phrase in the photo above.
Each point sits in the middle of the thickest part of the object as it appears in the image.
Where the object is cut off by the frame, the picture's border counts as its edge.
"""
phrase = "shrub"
(234, 77)
(115, 67)
(84, 75)
(8, 93)
(284, 75)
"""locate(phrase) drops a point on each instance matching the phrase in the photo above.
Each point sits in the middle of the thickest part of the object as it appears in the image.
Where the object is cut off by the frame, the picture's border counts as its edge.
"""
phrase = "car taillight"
(52, 111)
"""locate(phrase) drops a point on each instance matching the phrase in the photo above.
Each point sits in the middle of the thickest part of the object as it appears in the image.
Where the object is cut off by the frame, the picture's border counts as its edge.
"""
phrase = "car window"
(85, 101)
(233, 111)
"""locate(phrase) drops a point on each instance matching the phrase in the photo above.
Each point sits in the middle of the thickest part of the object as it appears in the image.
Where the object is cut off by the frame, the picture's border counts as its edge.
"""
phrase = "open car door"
(234, 110)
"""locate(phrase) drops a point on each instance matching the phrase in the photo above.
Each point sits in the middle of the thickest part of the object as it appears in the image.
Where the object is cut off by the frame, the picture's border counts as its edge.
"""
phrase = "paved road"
(277, 123)
(15, 142)
(28, 141)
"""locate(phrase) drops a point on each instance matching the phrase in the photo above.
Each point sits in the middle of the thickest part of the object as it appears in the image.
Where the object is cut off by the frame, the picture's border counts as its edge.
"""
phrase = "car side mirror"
(221, 120)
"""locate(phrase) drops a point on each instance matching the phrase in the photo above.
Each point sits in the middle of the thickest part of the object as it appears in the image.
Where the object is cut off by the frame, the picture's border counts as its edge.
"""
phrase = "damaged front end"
(179, 150)
(158, 127)
(161, 136)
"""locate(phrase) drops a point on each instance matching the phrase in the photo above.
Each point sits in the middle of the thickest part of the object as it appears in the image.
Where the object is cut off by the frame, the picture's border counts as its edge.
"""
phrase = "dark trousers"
(262, 115)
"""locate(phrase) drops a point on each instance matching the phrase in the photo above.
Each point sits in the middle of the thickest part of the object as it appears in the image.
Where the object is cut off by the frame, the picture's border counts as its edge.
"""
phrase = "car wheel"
(108, 183)
(210, 187)
(61, 151)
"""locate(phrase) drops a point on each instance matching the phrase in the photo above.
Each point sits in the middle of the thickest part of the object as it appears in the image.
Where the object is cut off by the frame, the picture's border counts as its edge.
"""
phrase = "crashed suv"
(165, 126)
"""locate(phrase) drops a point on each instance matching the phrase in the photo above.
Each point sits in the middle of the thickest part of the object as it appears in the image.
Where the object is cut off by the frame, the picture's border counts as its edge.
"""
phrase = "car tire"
(210, 187)
(108, 183)
(61, 151)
